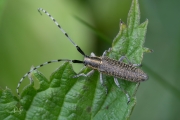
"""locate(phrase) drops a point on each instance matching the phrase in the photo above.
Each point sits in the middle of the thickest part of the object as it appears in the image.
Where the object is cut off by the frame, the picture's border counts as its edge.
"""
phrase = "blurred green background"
(27, 38)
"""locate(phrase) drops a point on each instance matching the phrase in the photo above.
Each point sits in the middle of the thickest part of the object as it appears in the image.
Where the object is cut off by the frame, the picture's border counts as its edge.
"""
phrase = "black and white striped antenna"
(77, 47)
(52, 61)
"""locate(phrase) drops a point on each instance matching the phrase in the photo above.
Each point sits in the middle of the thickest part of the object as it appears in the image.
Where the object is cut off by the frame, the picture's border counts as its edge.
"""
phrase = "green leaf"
(9, 106)
(83, 98)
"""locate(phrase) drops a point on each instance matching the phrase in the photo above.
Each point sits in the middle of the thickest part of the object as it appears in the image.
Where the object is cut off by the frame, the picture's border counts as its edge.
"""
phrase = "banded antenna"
(52, 61)
(77, 47)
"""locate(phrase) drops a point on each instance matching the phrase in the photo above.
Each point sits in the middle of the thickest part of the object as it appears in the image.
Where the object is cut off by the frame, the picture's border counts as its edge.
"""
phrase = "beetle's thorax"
(92, 62)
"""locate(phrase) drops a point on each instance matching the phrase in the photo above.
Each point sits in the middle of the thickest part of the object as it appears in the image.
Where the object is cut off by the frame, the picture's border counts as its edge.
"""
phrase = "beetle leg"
(124, 57)
(118, 85)
(85, 75)
(102, 82)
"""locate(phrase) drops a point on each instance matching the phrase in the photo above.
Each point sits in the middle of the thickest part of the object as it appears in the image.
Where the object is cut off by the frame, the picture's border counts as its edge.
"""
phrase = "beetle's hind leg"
(124, 57)
(116, 80)
(118, 85)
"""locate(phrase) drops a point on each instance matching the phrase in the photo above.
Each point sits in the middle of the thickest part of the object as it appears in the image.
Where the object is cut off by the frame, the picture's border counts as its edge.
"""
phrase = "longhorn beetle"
(103, 64)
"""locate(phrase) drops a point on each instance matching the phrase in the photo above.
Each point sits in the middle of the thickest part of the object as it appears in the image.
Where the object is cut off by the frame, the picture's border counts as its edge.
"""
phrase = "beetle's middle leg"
(102, 82)
(101, 75)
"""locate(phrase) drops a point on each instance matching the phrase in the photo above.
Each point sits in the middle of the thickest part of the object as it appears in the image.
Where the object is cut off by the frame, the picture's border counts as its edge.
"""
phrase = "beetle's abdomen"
(121, 70)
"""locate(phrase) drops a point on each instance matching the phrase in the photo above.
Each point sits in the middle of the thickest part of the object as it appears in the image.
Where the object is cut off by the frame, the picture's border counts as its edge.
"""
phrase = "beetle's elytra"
(116, 68)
